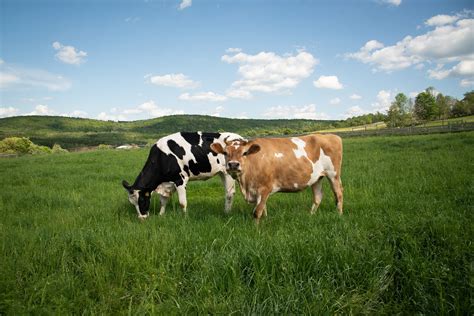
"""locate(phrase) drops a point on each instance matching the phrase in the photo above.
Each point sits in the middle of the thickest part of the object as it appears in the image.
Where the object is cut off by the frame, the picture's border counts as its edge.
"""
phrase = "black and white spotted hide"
(175, 160)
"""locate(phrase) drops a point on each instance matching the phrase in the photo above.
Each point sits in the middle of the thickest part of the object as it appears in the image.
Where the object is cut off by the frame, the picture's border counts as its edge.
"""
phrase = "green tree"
(465, 106)
(396, 111)
(441, 104)
(425, 105)
(400, 113)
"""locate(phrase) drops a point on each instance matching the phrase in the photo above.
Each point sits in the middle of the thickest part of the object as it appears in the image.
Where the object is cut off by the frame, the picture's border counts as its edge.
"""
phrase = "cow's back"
(291, 164)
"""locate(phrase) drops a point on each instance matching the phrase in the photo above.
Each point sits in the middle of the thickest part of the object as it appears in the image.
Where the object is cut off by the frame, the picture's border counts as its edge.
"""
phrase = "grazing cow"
(267, 165)
(173, 161)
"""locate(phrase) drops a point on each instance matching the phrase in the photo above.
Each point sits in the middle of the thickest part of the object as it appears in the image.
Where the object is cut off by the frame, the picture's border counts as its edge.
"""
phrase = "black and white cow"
(173, 161)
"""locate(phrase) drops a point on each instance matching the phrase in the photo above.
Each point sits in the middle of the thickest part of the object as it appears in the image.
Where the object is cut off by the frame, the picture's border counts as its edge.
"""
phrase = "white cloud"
(76, 113)
(395, 3)
(295, 112)
(413, 94)
(131, 19)
(217, 111)
(185, 4)
(464, 68)
(41, 109)
(203, 96)
(151, 108)
(430, 47)
(328, 82)
(420, 66)
(268, 72)
(173, 80)
(354, 111)
(239, 94)
(8, 111)
(441, 19)
(7, 79)
(466, 83)
(16, 76)
(145, 110)
(438, 73)
(355, 97)
(335, 101)
(69, 54)
(103, 116)
(242, 115)
(233, 50)
(33, 100)
(382, 103)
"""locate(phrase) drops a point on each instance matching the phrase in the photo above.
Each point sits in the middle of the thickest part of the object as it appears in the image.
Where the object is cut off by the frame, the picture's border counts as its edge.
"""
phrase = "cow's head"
(139, 198)
(235, 153)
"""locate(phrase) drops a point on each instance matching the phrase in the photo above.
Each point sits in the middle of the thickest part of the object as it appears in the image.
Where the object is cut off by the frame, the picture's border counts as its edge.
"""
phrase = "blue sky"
(129, 60)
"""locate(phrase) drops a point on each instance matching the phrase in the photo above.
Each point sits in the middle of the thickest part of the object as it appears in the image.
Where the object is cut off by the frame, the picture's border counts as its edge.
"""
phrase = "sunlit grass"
(72, 243)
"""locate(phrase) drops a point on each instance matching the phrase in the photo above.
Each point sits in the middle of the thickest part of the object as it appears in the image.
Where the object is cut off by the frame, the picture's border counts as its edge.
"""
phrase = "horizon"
(139, 60)
(169, 116)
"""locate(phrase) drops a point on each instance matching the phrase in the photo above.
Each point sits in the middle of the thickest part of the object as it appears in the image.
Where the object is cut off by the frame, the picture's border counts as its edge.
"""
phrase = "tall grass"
(71, 243)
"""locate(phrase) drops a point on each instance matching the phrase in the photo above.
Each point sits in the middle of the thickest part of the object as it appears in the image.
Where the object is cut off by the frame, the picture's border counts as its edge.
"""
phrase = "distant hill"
(78, 132)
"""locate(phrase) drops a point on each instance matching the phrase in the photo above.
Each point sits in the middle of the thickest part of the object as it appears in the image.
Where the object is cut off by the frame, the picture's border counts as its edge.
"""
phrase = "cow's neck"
(149, 177)
(147, 180)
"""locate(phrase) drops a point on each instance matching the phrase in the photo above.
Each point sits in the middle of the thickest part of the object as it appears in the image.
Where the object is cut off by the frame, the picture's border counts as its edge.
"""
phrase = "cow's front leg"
(261, 207)
(229, 187)
(182, 196)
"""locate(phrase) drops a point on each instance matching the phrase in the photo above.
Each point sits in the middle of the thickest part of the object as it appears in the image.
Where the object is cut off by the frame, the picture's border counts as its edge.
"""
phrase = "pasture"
(72, 243)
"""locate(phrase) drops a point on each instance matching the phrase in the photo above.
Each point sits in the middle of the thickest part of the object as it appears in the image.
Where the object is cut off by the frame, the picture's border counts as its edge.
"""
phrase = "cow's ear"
(253, 149)
(217, 148)
(127, 186)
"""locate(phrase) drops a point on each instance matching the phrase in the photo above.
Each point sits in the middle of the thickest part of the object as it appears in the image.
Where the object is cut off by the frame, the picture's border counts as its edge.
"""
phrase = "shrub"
(15, 145)
(36, 149)
(22, 146)
(104, 147)
(57, 149)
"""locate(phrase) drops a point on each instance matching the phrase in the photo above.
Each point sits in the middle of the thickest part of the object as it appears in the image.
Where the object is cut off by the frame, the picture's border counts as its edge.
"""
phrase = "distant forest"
(426, 106)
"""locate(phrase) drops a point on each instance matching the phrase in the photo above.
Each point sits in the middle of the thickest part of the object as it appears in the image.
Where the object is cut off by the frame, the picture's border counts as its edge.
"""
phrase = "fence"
(411, 130)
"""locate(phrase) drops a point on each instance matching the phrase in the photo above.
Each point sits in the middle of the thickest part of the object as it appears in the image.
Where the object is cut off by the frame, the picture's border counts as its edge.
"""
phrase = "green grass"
(373, 126)
(456, 120)
(71, 243)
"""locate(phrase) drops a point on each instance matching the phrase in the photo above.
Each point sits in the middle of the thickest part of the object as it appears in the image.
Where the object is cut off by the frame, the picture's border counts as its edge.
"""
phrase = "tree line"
(426, 106)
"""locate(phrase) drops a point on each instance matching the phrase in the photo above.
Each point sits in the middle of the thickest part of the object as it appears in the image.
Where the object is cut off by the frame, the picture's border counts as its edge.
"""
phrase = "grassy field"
(381, 125)
(71, 242)
(365, 127)
(456, 120)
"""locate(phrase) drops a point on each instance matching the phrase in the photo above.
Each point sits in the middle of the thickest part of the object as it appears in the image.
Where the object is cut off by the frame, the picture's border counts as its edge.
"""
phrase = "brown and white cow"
(267, 165)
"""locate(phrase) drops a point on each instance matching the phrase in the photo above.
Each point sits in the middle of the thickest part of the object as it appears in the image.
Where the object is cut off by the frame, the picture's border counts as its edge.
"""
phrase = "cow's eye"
(245, 153)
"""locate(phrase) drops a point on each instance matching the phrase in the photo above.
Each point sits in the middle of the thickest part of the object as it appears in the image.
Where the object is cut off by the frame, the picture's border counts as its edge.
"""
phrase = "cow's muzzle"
(233, 166)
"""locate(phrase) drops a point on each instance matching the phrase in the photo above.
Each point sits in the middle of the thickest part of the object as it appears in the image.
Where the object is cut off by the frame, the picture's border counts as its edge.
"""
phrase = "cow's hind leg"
(317, 194)
(336, 186)
(182, 196)
(229, 187)
(163, 201)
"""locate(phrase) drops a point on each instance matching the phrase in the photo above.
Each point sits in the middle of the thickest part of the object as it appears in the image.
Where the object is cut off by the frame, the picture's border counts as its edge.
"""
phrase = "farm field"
(457, 120)
(71, 242)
